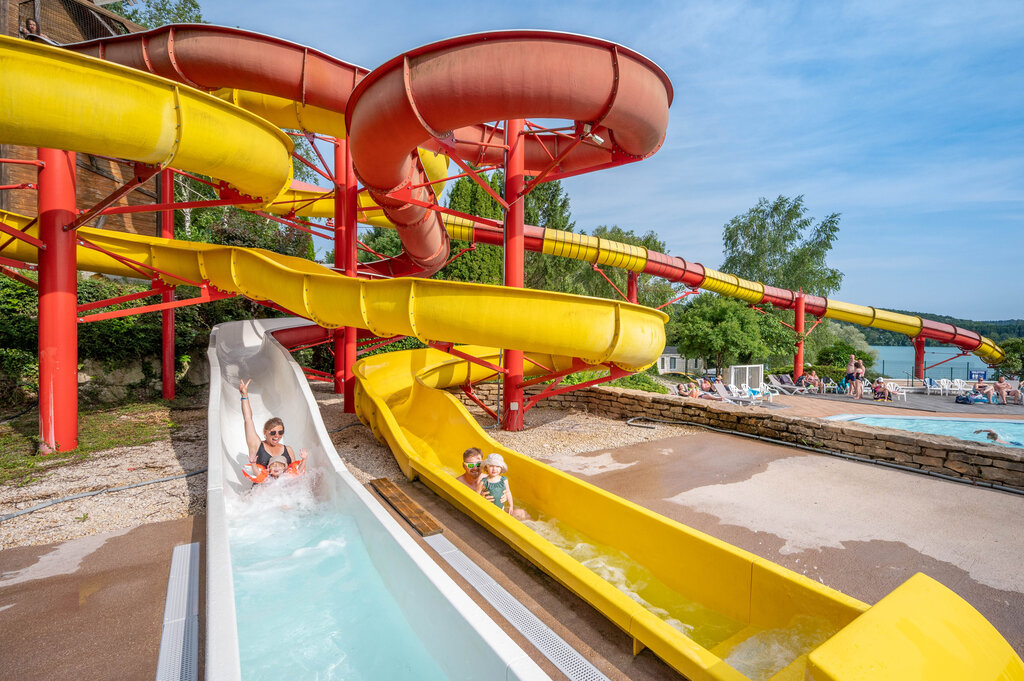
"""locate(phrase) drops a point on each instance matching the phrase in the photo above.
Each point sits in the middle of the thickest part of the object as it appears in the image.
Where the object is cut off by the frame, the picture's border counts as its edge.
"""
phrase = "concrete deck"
(93, 608)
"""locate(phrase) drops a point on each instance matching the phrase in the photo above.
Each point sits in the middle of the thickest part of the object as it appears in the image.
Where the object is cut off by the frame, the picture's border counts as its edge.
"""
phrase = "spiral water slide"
(443, 92)
(57, 99)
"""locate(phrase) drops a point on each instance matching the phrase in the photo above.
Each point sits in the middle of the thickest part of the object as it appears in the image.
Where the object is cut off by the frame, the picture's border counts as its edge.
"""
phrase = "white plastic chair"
(946, 386)
(897, 391)
(930, 384)
(768, 392)
(745, 392)
(960, 386)
(829, 385)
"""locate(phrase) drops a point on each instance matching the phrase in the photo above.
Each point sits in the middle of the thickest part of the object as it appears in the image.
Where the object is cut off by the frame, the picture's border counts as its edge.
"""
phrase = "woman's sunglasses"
(276, 432)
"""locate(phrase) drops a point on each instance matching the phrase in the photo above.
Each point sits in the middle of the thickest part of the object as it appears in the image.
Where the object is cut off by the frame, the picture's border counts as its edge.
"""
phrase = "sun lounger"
(723, 392)
(783, 388)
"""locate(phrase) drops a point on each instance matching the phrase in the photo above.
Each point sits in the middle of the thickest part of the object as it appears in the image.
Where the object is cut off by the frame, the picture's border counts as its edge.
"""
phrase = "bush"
(839, 353)
(19, 376)
(124, 339)
(640, 381)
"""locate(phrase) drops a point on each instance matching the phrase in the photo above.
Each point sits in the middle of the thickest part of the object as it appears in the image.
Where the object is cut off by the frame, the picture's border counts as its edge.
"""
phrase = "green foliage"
(720, 329)
(382, 240)
(638, 381)
(777, 244)
(838, 354)
(1014, 364)
(125, 338)
(154, 13)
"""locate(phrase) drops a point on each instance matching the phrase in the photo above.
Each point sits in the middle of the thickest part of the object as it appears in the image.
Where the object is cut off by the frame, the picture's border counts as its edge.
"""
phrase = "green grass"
(99, 429)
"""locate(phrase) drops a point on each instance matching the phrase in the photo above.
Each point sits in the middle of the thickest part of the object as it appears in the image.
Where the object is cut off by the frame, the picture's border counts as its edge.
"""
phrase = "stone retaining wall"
(947, 455)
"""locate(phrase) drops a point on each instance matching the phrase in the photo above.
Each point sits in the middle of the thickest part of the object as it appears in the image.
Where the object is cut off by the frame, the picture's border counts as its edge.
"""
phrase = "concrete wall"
(947, 455)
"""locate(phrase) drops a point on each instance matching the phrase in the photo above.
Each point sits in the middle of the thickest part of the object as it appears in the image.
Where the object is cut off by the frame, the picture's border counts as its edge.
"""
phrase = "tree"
(1014, 364)
(838, 354)
(484, 264)
(154, 13)
(777, 244)
(720, 329)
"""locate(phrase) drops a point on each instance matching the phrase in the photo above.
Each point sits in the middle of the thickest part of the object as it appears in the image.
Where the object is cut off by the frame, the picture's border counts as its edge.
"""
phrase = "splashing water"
(766, 653)
(309, 601)
(705, 626)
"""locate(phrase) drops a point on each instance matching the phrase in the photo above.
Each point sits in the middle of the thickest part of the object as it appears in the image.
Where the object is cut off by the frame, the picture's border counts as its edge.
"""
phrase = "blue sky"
(905, 117)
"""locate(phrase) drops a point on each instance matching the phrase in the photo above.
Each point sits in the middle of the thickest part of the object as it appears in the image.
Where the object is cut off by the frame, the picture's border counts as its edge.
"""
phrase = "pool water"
(1010, 431)
(310, 604)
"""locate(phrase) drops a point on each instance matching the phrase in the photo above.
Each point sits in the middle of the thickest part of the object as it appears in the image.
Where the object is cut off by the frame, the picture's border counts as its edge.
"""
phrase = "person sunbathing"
(984, 389)
(1005, 391)
(880, 392)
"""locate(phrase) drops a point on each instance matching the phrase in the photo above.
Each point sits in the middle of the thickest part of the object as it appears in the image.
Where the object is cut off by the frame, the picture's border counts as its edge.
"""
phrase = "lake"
(898, 362)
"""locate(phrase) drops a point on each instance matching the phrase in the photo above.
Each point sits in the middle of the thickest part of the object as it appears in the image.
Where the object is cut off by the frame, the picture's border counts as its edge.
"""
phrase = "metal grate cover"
(550, 644)
(179, 643)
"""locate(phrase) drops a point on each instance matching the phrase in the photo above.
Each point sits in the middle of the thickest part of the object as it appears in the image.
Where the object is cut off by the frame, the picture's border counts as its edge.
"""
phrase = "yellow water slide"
(720, 596)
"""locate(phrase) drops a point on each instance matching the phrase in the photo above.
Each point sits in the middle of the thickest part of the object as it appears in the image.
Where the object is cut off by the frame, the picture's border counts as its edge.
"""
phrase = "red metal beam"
(614, 372)
(962, 354)
(142, 173)
(23, 185)
(157, 290)
(207, 295)
(366, 347)
(23, 230)
(612, 283)
(11, 274)
(450, 349)
(19, 234)
(139, 267)
(688, 293)
(22, 162)
(467, 389)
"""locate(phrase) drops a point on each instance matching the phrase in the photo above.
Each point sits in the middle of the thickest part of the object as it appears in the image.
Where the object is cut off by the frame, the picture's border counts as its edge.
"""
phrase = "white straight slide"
(462, 639)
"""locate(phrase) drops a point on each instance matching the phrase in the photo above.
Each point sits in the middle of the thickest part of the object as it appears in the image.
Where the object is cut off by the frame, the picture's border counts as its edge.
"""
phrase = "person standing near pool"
(261, 451)
(850, 368)
(858, 380)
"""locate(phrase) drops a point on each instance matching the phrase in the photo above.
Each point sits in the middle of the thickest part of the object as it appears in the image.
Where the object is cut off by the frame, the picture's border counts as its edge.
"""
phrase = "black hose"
(51, 502)
(347, 425)
(20, 413)
(841, 455)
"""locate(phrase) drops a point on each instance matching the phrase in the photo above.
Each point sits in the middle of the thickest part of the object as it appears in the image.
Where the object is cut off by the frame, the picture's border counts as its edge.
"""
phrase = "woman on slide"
(261, 451)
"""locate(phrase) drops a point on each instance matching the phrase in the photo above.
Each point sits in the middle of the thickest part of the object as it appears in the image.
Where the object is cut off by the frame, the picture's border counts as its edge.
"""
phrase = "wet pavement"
(92, 608)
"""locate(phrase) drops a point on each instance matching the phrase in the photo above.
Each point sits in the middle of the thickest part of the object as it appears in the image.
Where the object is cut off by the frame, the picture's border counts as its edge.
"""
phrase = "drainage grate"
(179, 643)
(550, 644)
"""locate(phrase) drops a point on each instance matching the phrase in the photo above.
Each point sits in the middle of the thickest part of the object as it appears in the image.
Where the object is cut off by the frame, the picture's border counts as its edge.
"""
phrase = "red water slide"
(440, 95)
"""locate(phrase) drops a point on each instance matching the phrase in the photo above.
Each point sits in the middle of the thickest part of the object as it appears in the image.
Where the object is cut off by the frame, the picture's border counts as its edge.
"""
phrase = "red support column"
(798, 326)
(515, 180)
(166, 180)
(345, 226)
(58, 291)
(919, 357)
(631, 286)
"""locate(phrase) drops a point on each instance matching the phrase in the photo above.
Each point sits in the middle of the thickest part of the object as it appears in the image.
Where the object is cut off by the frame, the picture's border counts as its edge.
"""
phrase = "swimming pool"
(1010, 430)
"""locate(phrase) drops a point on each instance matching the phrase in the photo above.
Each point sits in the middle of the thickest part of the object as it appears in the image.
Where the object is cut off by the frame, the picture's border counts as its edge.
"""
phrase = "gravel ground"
(551, 435)
(184, 452)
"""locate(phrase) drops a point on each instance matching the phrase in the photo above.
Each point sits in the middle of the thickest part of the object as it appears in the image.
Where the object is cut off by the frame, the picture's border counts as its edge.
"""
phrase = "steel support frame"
(167, 357)
(514, 266)
(207, 294)
(346, 225)
(58, 292)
